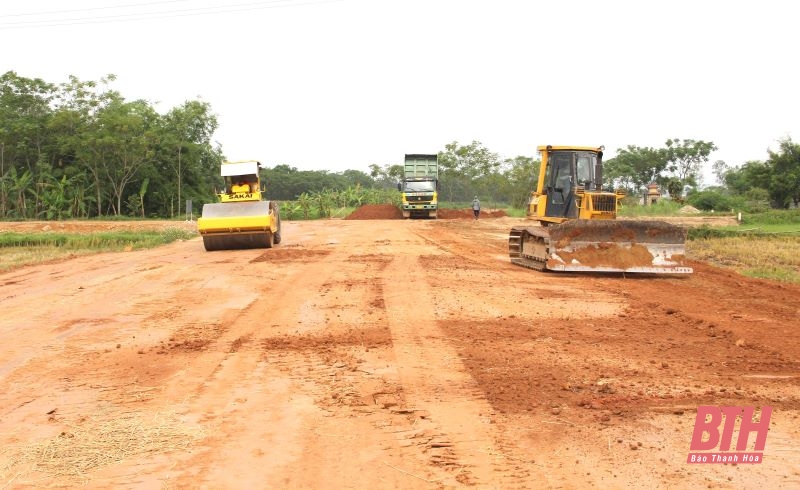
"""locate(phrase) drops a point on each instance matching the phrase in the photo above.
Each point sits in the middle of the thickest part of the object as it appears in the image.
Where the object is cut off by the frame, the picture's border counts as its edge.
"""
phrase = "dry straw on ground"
(98, 442)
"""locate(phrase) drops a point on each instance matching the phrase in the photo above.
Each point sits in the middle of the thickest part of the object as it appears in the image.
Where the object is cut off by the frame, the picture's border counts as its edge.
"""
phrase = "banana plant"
(53, 197)
(323, 200)
(305, 201)
(20, 186)
(142, 192)
(292, 209)
(4, 187)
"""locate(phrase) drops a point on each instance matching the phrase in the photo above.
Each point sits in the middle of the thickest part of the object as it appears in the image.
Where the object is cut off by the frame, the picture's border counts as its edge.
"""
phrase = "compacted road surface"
(383, 354)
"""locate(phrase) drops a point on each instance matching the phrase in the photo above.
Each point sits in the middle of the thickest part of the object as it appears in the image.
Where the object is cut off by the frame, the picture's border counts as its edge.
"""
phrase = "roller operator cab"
(576, 227)
(241, 218)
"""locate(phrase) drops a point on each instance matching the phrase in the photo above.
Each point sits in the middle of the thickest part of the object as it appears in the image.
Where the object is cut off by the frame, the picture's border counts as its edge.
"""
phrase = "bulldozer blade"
(617, 246)
(227, 226)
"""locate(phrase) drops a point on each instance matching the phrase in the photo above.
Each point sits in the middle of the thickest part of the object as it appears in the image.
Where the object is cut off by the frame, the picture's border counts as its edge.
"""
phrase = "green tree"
(356, 178)
(522, 174)
(75, 123)
(710, 200)
(186, 133)
(460, 166)
(720, 168)
(686, 157)
(675, 189)
(25, 108)
(753, 174)
(634, 167)
(81, 143)
(386, 176)
(784, 164)
(123, 139)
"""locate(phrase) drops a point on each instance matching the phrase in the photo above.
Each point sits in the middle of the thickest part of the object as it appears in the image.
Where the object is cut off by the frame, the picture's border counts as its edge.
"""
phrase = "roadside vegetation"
(765, 257)
(765, 245)
(18, 249)
(663, 207)
(332, 203)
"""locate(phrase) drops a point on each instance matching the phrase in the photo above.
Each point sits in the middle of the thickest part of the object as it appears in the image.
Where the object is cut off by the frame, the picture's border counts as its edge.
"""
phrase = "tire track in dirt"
(652, 355)
(316, 364)
(436, 381)
(243, 396)
(318, 402)
(89, 354)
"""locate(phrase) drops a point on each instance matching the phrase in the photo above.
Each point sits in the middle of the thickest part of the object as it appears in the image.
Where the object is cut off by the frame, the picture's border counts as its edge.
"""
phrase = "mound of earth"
(390, 211)
(376, 211)
(467, 214)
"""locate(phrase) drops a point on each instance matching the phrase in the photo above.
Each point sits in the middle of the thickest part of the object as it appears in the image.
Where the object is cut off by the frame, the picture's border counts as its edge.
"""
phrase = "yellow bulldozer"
(578, 229)
(241, 219)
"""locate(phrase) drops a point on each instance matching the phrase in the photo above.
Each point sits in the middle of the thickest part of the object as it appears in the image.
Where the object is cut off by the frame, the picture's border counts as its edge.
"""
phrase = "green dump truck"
(420, 185)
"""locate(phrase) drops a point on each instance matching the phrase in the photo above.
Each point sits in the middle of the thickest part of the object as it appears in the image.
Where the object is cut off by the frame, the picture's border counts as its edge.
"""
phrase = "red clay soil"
(467, 214)
(389, 211)
(376, 211)
(403, 354)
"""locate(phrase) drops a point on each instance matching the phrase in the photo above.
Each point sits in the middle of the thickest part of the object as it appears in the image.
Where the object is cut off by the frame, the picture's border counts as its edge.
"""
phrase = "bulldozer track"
(514, 243)
(529, 263)
(515, 238)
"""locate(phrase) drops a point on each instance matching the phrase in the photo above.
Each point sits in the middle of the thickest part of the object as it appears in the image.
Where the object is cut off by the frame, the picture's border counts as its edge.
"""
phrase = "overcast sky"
(342, 84)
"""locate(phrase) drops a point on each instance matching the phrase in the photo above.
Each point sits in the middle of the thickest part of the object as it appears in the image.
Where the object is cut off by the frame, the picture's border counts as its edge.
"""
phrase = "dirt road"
(384, 354)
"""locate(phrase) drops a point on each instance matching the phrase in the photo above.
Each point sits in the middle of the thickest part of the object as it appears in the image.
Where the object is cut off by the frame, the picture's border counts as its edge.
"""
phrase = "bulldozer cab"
(567, 172)
(560, 189)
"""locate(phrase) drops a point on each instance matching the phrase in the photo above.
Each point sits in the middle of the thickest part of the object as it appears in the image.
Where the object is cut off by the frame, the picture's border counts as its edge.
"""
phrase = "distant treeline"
(79, 149)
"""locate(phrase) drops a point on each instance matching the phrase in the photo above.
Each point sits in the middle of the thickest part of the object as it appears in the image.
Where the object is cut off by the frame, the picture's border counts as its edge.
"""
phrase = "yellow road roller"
(242, 218)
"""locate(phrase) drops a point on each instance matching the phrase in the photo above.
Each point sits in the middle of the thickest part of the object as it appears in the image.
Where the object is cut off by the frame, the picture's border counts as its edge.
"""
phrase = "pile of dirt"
(376, 211)
(467, 214)
(390, 211)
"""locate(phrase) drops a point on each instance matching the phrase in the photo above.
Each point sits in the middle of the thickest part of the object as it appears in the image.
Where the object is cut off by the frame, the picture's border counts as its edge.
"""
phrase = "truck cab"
(419, 190)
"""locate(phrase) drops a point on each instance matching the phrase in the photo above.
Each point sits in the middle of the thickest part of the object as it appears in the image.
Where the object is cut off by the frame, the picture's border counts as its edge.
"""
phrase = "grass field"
(18, 249)
(661, 208)
(765, 245)
(764, 256)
